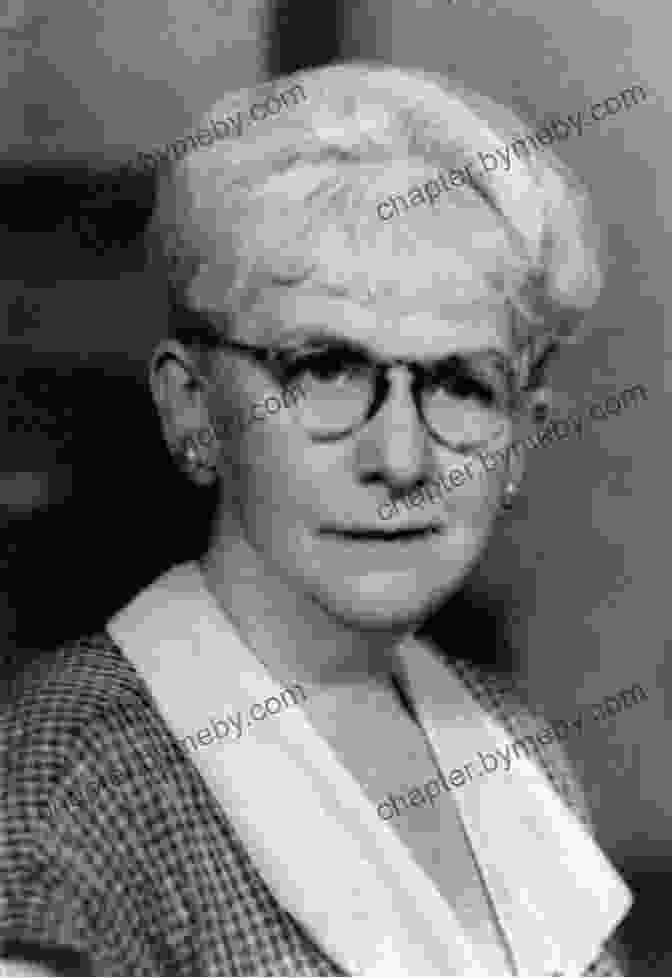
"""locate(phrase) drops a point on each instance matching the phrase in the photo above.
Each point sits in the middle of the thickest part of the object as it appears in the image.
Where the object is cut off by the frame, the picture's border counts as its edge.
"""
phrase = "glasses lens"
(338, 385)
(463, 408)
(457, 423)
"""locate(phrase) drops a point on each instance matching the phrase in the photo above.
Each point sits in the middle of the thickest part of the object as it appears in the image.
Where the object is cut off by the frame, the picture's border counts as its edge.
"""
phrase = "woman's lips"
(372, 534)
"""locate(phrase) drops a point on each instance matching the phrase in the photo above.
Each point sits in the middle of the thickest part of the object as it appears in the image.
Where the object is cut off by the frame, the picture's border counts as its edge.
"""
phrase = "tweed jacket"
(118, 856)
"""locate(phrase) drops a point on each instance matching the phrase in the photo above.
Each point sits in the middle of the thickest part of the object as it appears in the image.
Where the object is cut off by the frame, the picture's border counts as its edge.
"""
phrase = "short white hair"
(249, 208)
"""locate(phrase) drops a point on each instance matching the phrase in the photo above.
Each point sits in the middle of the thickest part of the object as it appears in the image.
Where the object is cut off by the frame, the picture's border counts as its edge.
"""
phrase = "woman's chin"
(382, 600)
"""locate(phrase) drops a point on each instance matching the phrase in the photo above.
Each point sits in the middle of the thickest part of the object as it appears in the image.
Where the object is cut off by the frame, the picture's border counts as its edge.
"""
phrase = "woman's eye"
(465, 386)
(327, 367)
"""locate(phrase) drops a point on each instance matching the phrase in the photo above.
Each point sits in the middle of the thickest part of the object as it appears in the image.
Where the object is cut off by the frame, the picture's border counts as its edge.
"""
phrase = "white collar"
(317, 840)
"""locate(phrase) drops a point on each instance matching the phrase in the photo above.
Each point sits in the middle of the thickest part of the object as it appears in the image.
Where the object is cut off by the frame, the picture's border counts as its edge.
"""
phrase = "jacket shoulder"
(59, 699)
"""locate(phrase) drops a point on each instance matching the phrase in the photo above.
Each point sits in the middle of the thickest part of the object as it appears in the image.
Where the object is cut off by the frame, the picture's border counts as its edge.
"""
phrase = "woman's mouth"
(387, 535)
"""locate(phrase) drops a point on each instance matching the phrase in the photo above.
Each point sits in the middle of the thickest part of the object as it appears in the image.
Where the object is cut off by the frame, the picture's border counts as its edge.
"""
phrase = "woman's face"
(310, 509)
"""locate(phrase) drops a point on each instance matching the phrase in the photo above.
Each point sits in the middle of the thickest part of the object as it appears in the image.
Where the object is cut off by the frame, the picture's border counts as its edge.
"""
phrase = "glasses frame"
(270, 357)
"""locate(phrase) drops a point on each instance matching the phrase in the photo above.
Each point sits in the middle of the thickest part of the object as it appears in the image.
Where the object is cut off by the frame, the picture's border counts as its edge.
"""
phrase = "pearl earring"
(509, 494)
(190, 456)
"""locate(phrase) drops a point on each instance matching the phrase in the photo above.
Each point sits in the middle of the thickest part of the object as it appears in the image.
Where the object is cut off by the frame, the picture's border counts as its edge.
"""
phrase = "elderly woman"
(229, 828)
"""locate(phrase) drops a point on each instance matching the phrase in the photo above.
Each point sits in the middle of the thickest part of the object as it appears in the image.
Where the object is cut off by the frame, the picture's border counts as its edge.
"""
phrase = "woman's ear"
(179, 392)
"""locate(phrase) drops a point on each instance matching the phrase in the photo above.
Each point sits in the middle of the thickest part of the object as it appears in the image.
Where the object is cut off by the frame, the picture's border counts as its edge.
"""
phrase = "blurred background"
(90, 505)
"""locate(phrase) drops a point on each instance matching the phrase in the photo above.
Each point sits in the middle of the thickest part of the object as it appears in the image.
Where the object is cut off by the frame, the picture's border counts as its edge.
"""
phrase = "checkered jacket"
(145, 874)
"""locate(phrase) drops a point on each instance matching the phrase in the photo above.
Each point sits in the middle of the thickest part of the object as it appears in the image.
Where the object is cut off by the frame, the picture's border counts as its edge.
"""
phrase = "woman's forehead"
(297, 314)
(437, 262)
(388, 285)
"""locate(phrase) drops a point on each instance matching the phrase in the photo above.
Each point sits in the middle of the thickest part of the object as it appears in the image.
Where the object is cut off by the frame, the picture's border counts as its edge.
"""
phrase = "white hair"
(246, 209)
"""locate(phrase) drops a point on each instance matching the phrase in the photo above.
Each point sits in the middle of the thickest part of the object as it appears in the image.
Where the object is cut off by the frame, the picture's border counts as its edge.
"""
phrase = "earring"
(511, 490)
(190, 457)
(194, 462)
(541, 407)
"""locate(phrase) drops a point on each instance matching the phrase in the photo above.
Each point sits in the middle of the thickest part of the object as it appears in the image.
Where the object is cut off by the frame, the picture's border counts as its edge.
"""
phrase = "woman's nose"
(395, 446)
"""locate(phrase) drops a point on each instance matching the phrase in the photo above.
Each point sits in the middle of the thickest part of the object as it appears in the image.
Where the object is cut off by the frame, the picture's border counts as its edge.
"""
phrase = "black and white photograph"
(332, 488)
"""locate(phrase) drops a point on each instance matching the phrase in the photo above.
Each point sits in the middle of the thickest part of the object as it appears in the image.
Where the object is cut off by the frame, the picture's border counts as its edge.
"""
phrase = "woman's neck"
(295, 638)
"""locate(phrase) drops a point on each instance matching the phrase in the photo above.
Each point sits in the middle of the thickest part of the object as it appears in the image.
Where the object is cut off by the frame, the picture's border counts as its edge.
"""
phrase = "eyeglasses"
(463, 400)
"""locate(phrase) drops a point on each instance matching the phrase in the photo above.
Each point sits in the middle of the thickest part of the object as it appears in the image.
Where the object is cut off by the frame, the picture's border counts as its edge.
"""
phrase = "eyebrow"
(306, 335)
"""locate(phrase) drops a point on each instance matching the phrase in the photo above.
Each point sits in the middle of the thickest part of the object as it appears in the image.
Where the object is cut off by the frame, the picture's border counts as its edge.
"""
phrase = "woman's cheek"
(267, 468)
